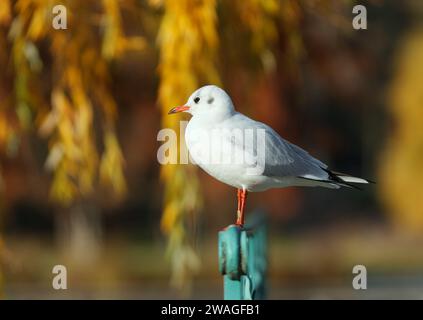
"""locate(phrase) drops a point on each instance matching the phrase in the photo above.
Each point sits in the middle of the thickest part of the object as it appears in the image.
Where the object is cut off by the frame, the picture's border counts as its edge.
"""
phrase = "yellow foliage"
(401, 164)
(80, 85)
(5, 12)
(188, 42)
(114, 41)
(112, 158)
(4, 130)
(259, 16)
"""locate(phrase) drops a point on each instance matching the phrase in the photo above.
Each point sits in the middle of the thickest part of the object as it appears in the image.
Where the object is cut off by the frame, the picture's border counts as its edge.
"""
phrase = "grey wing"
(284, 159)
(281, 158)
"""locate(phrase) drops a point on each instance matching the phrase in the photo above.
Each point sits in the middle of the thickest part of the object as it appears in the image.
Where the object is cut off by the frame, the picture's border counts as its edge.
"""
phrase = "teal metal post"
(243, 260)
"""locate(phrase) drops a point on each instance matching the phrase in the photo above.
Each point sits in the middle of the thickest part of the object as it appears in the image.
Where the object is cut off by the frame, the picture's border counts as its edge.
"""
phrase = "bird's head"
(208, 101)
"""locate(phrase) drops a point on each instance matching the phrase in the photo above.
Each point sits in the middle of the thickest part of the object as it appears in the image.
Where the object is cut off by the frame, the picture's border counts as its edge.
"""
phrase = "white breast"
(212, 150)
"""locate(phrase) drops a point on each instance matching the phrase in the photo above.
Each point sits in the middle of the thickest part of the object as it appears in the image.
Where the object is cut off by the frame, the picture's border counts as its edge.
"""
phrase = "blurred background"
(80, 110)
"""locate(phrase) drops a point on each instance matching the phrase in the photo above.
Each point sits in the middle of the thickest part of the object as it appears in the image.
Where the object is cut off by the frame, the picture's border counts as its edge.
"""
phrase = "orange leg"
(242, 197)
(238, 195)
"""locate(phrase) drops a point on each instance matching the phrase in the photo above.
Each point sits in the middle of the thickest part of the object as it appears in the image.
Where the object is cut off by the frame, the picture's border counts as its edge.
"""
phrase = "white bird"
(247, 154)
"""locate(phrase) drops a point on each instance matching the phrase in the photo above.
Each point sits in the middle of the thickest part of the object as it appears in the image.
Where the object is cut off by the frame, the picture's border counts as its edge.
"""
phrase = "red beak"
(179, 109)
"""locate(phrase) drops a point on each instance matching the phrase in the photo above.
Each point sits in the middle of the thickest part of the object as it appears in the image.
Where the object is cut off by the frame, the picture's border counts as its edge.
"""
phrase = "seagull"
(247, 154)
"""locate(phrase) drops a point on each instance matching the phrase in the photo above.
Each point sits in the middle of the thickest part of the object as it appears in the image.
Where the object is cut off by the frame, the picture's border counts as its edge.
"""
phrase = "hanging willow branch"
(80, 88)
(188, 42)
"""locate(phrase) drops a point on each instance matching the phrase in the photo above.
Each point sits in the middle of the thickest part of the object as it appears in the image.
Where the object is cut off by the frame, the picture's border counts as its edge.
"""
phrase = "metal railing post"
(243, 259)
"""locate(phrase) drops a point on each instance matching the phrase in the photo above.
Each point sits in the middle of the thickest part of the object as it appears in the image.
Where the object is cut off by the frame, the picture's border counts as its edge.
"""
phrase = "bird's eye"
(196, 100)
(210, 100)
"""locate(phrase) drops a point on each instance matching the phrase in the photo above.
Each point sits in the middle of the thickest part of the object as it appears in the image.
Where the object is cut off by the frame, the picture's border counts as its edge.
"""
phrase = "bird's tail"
(346, 180)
